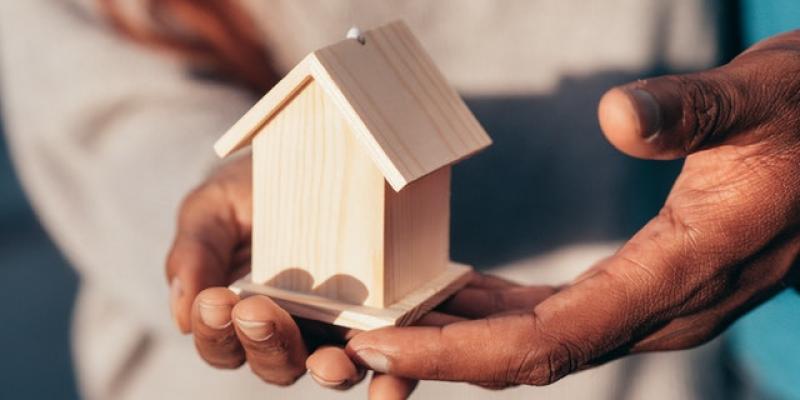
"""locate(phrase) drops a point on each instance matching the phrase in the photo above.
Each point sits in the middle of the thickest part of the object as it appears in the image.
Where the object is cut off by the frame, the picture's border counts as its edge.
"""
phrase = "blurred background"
(578, 191)
(38, 289)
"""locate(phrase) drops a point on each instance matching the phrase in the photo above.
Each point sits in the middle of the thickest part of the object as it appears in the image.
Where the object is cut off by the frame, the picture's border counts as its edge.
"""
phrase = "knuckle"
(220, 351)
(545, 364)
(551, 366)
(707, 111)
(674, 220)
(274, 350)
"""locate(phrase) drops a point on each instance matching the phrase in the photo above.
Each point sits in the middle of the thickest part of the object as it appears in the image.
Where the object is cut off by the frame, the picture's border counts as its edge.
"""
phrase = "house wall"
(318, 205)
(416, 234)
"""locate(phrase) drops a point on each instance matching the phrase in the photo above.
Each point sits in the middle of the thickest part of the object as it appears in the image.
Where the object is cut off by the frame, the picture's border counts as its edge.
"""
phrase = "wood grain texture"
(318, 214)
(409, 120)
(240, 134)
(403, 312)
(334, 236)
(417, 233)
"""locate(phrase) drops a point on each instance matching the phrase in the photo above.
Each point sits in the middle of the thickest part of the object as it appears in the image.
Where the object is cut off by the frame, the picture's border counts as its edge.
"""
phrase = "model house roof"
(398, 104)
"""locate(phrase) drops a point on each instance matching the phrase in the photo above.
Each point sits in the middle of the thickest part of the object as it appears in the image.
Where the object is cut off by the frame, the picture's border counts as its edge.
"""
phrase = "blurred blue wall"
(36, 291)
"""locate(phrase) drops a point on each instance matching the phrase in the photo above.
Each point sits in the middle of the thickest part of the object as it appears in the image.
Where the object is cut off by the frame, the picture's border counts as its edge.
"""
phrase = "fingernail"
(217, 316)
(256, 330)
(375, 360)
(325, 382)
(649, 113)
(175, 293)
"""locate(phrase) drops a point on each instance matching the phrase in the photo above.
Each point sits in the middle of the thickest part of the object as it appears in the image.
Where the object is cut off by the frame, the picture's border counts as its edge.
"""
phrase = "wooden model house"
(352, 153)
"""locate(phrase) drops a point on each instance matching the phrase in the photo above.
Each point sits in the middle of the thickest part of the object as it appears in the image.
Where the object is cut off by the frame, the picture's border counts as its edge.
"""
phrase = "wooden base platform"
(403, 312)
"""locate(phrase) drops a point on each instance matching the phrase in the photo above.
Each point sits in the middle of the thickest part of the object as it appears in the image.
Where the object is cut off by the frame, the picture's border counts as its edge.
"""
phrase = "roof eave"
(241, 133)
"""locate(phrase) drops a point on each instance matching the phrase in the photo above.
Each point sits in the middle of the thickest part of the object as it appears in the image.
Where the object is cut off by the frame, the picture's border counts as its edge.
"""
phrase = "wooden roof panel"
(415, 117)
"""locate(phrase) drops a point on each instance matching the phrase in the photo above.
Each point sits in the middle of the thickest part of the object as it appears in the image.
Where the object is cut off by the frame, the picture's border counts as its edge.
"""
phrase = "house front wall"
(318, 210)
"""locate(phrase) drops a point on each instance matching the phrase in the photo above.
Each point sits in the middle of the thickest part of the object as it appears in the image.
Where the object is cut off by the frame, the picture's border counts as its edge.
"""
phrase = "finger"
(384, 386)
(478, 303)
(672, 116)
(202, 253)
(332, 368)
(272, 343)
(389, 387)
(650, 281)
(214, 334)
(564, 332)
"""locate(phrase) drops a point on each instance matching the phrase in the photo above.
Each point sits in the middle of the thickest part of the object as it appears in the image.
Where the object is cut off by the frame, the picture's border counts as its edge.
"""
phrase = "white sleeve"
(107, 137)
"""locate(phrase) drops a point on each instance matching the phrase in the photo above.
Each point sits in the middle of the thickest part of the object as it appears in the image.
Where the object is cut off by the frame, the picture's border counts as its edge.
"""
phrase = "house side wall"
(417, 233)
(318, 205)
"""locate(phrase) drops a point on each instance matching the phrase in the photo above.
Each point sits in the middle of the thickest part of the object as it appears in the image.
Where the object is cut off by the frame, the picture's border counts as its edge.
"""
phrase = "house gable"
(318, 205)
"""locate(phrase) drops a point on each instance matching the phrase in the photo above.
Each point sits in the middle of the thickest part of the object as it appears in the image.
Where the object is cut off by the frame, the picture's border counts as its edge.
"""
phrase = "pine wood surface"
(325, 221)
(416, 234)
(402, 313)
(318, 205)
(352, 153)
(409, 118)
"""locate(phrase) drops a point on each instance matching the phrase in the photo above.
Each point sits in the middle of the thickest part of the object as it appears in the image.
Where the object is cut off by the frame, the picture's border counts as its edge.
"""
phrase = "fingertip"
(218, 295)
(214, 337)
(271, 340)
(332, 368)
(258, 308)
(386, 337)
(632, 119)
(214, 307)
(388, 387)
(365, 351)
(258, 317)
(620, 113)
(356, 342)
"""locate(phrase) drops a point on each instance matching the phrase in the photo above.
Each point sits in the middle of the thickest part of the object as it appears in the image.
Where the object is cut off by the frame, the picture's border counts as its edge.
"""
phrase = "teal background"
(766, 342)
(763, 18)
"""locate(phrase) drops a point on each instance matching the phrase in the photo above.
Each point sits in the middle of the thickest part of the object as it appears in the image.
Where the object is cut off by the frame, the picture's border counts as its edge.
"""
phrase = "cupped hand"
(211, 249)
(725, 240)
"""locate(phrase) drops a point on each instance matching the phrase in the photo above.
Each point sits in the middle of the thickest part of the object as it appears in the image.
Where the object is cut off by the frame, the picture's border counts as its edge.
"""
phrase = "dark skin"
(725, 241)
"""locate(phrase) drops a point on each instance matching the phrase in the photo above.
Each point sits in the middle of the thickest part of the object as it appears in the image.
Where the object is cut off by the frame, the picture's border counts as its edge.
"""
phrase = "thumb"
(672, 116)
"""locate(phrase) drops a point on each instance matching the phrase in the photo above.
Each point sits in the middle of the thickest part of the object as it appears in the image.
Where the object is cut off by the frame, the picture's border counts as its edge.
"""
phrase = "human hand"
(211, 250)
(725, 240)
